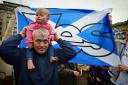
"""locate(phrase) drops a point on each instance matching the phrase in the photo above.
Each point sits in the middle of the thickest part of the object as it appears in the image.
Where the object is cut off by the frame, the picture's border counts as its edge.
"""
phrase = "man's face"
(41, 43)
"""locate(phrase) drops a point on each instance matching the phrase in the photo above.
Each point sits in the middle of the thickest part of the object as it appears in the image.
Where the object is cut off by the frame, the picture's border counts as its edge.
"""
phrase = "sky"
(119, 7)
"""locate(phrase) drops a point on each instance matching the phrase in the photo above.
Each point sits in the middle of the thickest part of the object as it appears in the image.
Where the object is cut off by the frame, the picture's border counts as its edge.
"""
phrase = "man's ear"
(49, 40)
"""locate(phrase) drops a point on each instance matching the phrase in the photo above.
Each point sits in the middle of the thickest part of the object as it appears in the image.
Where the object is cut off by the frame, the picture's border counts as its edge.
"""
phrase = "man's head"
(42, 15)
(41, 40)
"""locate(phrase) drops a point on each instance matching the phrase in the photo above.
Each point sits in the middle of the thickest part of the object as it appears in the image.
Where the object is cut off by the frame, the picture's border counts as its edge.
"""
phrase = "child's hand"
(23, 32)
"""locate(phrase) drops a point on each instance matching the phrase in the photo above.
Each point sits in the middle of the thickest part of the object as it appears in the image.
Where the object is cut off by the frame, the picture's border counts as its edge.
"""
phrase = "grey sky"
(119, 12)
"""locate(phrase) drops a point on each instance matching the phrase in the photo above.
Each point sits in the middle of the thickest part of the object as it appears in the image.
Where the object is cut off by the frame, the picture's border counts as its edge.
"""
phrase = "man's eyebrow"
(41, 39)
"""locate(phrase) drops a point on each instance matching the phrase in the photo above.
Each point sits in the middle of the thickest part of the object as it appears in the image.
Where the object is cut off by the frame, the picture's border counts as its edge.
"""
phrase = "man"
(45, 73)
(123, 67)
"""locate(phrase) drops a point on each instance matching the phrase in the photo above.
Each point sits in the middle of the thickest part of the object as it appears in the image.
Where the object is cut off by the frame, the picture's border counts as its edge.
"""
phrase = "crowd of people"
(41, 64)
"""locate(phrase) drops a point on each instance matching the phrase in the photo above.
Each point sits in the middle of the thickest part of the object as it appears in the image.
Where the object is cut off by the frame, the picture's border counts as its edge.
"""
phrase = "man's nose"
(42, 44)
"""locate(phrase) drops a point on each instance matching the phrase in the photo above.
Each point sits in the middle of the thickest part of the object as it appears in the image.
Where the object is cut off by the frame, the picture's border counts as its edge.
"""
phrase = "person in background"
(123, 67)
(68, 74)
(85, 78)
(100, 75)
(123, 76)
(73, 74)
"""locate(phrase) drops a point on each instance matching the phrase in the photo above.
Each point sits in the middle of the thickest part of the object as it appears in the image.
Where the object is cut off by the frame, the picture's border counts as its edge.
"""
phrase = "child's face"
(41, 18)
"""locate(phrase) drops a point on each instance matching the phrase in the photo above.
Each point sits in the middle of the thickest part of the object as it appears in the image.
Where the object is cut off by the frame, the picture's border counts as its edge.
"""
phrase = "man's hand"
(56, 36)
(123, 67)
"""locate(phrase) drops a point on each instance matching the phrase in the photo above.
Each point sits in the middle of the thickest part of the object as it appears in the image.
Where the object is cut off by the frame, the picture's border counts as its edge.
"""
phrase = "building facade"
(7, 28)
(122, 27)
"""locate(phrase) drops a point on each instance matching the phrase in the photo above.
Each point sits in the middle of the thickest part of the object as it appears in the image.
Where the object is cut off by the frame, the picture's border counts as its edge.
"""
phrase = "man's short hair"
(43, 31)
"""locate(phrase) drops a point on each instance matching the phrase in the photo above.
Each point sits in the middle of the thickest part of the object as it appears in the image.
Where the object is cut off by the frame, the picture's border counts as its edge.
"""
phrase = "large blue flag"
(89, 31)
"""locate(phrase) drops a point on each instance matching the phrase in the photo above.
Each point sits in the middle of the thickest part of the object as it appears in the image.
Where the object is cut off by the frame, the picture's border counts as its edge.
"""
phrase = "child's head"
(42, 15)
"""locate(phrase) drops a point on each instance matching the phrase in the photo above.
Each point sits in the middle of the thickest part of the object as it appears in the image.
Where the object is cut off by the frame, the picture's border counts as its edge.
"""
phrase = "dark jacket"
(45, 73)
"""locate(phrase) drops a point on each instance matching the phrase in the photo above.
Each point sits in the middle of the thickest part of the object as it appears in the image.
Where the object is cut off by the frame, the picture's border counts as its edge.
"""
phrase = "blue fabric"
(89, 31)
(29, 54)
(45, 73)
(50, 51)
